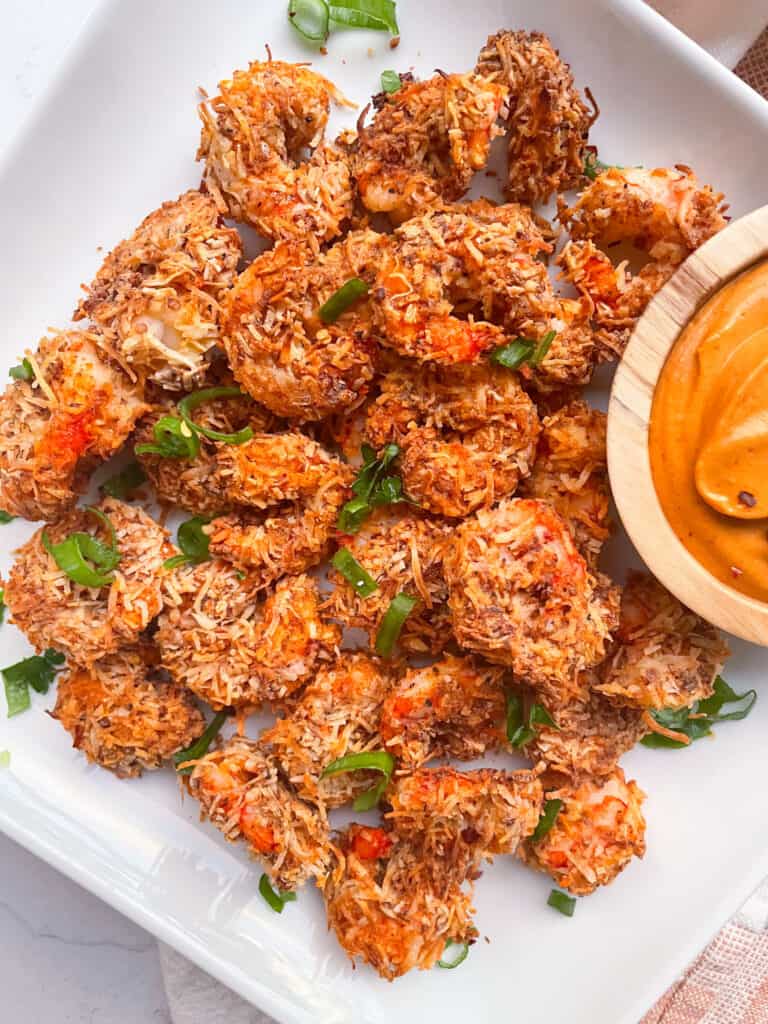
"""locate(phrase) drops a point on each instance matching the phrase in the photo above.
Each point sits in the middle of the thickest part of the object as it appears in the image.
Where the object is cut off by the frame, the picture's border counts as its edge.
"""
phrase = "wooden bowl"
(735, 249)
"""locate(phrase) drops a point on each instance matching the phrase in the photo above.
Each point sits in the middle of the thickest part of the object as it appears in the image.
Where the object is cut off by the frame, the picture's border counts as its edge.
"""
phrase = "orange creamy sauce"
(709, 435)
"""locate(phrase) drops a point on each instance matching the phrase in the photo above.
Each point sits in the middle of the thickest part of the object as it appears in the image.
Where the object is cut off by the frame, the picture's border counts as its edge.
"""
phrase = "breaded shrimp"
(425, 142)
(521, 595)
(254, 141)
(403, 555)
(278, 346)
(123, 716)
(241, 793)
(666, 656)
(571, 474)
(390, 906)
(459, 279)
(453, 708)
(467, 433)
(597, 832)
(157, 295)
(76, 411)
(235, 646)
(53, 610)
(336, 715)
(548, 122)
(573, 353)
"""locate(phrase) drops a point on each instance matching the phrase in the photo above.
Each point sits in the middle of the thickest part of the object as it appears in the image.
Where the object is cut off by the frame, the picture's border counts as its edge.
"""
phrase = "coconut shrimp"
(76, 410)
(521, 595)
(454, 264)
(278, 346)
(571, 474)
(454, 708)
(157, 295)
(597, 832)
(336, 715)
(88, 623)
(425, 143)
(123, 716)
(403, 555)
(240, 791)
(548, 122)
(666, 656)
(254, 141)
(236, 646)
(390, 906)
(467, 433)
(573, 352)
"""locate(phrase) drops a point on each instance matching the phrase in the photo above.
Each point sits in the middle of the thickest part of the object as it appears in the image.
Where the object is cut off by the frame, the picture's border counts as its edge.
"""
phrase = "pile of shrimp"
(436, 337)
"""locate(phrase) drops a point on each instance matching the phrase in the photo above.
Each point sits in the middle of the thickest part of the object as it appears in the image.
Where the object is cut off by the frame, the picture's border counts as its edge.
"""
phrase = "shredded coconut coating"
(460, 280)
(425, 143)
(666, 656)
(157, 295)
(123, 716)
(571, 474)
(548, 121)
(77, 410)
(254, 139)
(573, 353)
(336, 715)
(241, 792)
(521, 595)
(90, 623)
(453, 708)
(234, 645)
(281, 351)
(403, 555)
(390, 906)
(597, 832)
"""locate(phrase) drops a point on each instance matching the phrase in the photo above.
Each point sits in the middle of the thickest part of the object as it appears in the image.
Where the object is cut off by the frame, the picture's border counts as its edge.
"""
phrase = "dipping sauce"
(709, 434)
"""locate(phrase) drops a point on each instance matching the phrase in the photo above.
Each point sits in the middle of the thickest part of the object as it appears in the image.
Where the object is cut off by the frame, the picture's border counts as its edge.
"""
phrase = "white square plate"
(115, 136)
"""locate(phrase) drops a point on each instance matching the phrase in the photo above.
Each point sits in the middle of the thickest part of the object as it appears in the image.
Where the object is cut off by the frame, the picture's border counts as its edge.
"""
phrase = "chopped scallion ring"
(390, 81)
(542, 347)
(73, 554)
(23, 371)
(547, 819)
(342, 300)
(400, 607)
(193, 541)
(456, 958)
(200, 747)
(310, 19)
(360, 581)
(275, 899)
(188, 404)
(562, 901)
(173, 440)
(538, 715)
(513, 354)
(370, 760)
(520, 732)
(6, 517)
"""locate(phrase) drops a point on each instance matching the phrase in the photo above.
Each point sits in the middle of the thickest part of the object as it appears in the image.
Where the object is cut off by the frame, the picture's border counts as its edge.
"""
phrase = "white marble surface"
(64, 955)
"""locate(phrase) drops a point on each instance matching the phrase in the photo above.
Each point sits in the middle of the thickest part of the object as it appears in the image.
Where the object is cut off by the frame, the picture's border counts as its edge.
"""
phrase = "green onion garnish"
(125, 482)
(275, 899)
(562, 901)
(390, 81)
(520, 732)
(697, 720)
(372, 760)
(343, 299)
(547, 820)
(457, 958)
(200, 747)
(310, 19)
(173, 440)
(83, 558)
(5, 759)
(23, 371)
(539, 715)
(371, 488)
(379, 15)
(360, 581)
(193, 542)
(6, 517)
(513, 354)
(542, 347)
(37, 672)
(190, 403)
(400, 608)
(3, 605)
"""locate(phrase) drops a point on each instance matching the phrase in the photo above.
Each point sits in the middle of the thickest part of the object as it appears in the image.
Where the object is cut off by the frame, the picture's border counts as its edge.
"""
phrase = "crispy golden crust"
(278, 347)
(124, 717)
(254, 139)
(454, 708)
(390, 906)
(157, 295)
(521, 595)
(425, 143)
(235, 646)
(598, 831)
(665, 656)
(403, 555)
(241, 793)
(574, 352)
(76, 411)
(54, 611)
(548, 122)
(336, 715)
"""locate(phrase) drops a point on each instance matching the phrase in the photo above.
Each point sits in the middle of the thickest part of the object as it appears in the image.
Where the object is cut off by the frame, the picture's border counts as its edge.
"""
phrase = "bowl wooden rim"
(739, 246)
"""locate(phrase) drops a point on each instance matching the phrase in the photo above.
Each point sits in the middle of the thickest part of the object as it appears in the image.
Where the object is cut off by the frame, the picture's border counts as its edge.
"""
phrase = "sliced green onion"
(360, 581)
(562, 901)
(390, 81)
(187, 405)
(23, 371)
(379, 15)
(200, 747)
(514, 353)
(37, 672)
(193, 542)
(125, 482)
(400, 607)
(456, 958)
(547, 819)
(520, 732)
(349, 293)
(173, 440)
(5, 759)
(696, 721)
(73, 554)
(538, 715)
(370, 760)
(310, 19)
(275, 899)
(514, 714)
(542, 347)
(3, 605)
(6, 517)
